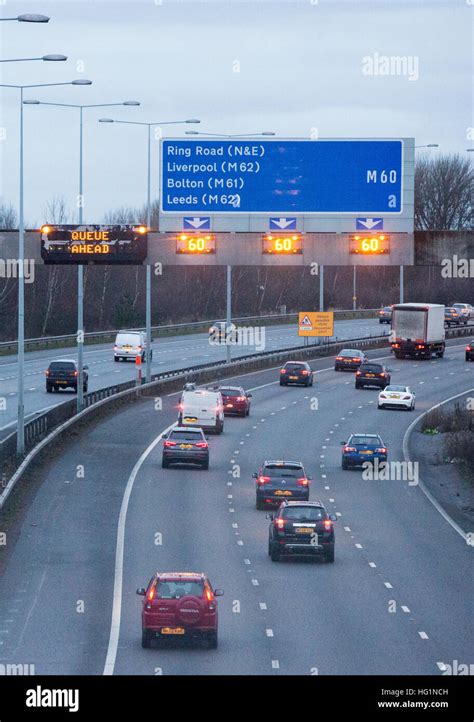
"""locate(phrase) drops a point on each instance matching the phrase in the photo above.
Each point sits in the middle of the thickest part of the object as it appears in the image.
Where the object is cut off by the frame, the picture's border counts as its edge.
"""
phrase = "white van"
(129, 345)
(201, 407)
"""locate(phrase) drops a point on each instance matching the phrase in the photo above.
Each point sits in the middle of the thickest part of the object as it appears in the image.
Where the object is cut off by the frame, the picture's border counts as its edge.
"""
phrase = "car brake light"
(170, 443)
(280, 523)
(468, 348)
(382, 374)
(202, 444)
(396, 345)
(74, 373)
(283, 371)
(358, 373)
(338, 358)
(151, 593)
(305, 372)
(209, 595)
(240, 398)
(47, 373)
(381, 450)
(327, 524)
(356, 358)
(302, 482)
(349, 448)
(263, 479)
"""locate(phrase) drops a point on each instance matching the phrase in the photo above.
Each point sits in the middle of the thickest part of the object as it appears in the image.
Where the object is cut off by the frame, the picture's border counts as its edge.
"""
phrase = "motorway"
(397, 599)
(168, 354)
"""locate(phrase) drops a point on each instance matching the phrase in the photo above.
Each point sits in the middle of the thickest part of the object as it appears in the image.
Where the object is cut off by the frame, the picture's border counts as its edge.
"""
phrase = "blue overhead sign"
(282, 176)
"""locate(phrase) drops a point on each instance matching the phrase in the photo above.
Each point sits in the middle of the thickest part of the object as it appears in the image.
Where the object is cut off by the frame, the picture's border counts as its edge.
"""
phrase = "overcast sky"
(301, 67)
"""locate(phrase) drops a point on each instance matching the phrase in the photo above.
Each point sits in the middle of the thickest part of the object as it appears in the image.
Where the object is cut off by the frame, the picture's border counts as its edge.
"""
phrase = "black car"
(296, 372)
(185, 446)
(372, 374)
(350, 359)
(278, 480)
(470, 351)
(301, 528)
(63, 374)
(385, 314)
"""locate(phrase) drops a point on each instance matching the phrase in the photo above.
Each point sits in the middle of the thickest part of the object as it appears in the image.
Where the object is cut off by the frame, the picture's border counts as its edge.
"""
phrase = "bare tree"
(8, 217)
(443, 193)
(56, 210)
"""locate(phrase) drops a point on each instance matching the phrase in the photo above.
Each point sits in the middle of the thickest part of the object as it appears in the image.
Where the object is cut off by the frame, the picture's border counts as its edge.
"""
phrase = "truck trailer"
(418, 330)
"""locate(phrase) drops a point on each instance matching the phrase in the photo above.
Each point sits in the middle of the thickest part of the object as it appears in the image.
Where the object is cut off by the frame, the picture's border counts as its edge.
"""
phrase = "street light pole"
(80, 267)
(148, 223)
(20, 445)
(228, 314)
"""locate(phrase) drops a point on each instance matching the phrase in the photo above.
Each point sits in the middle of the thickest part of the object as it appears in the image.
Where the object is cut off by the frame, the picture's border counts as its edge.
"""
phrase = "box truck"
(418, 330)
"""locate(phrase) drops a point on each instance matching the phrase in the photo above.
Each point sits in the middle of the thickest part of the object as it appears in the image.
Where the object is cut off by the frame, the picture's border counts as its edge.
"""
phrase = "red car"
(236, 400)
(179, 604)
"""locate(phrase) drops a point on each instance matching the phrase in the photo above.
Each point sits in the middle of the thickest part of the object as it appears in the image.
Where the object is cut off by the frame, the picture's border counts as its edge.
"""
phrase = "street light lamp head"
(131, 102)
(31, 102)
(191, 132)
(105, 120)
(54, 58)
(32, 18)
(268, 132)
(81, 81)
(193, 120)
(432, 145)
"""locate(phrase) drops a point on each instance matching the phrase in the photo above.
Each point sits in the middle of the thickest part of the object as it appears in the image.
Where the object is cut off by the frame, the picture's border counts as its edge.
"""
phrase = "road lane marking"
(423, 635)
(420, 484)
(119, 558)
(388, 585)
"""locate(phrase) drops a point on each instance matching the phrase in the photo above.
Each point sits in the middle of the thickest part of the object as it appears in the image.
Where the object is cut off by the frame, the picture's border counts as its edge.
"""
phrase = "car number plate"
(172, 630)
(394, 396)
(368, 453)
(190, 420)
(185, 446)
(370, 376)
(229, 406)
(304, 530)
(281, 492)
(61, 382)
(293, 378)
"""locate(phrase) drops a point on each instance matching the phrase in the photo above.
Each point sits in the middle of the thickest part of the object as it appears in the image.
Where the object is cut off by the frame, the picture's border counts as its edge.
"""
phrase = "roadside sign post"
(316, 323)
(138, 364)
(402, 289)
(228, 322)
(354, 289)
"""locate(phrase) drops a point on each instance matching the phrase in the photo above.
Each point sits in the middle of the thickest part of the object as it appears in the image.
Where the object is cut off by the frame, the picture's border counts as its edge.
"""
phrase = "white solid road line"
(420, 484)
(119, 553)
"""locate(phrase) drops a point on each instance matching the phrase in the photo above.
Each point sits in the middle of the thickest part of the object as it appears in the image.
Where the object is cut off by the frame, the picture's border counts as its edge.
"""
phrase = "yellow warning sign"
(316, 323)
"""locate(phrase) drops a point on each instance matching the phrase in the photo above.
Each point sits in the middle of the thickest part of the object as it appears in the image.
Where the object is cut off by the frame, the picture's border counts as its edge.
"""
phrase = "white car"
(465, 310)
(129, 345)
(396, 397)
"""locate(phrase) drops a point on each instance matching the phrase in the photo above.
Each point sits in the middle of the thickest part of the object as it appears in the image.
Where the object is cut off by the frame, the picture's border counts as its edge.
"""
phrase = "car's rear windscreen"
(186, 436)
(365, 441)
(283, 470)
(303, 513)
(62, 366)
(171, 589)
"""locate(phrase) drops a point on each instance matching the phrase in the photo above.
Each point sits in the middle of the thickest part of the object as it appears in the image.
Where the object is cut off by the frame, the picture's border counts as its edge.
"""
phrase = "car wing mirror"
(343, 443)
(333, 517)
(218, 592)
(249, 396)
(310, 478)
(85, 368)
(269, 516)
(254, 475)
(141, 591)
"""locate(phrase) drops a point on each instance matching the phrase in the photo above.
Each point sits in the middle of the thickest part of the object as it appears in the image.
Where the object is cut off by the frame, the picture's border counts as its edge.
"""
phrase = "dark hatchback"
(385, 315)
(361, 448)
(296, 372)
(279, 480)
(63, 374)
(372, 374)
(235, 400)
(301, 528)
(350, 359)
(185, 446)
(470, 351)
